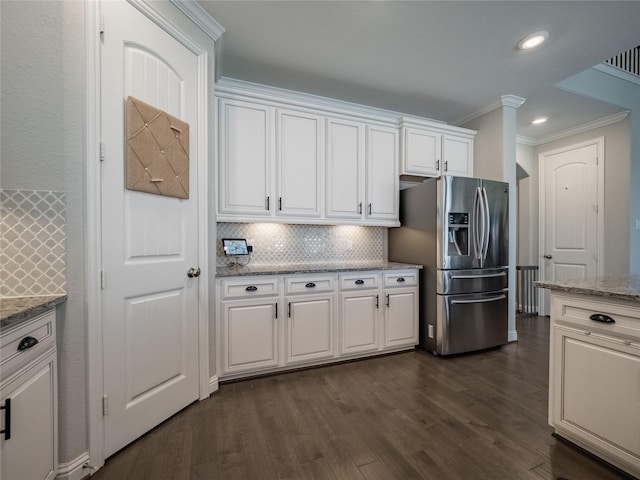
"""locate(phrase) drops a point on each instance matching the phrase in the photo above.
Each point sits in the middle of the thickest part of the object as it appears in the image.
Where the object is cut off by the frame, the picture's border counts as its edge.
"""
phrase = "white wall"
(42, 126)
(527, 249)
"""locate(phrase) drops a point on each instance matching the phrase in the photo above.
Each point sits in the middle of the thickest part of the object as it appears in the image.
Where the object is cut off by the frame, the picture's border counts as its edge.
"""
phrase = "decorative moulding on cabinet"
(200, 17)
(232, 88)
(504, 101)
(417, 122)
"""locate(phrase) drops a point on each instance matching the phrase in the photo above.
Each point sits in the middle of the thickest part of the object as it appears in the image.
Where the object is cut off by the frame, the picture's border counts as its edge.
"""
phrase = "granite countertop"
(237, 271)
(14, 310)
(624, 287)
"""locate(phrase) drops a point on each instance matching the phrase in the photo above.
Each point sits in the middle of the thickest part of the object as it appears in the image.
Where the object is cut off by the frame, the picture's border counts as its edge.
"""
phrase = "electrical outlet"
(637, 224)
(430, 331)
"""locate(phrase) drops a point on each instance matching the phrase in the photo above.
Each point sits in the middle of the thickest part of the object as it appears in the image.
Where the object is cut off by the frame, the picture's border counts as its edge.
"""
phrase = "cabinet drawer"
(308, 284)
(41, 329)
(400, 278)
(359, 280)
(249, 287)
(578, 312)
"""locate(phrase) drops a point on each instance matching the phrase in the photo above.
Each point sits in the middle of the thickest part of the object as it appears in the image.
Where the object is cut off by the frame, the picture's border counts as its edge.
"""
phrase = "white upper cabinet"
(299, 164)
(432, 150)
(345, 169)
(382, 184)
(245, 158)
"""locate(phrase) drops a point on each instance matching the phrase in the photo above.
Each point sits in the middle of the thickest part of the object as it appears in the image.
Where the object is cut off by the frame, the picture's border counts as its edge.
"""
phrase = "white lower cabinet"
(28, 393)
(309, 331)
(359, 322)
(272, 323)
(594, 395)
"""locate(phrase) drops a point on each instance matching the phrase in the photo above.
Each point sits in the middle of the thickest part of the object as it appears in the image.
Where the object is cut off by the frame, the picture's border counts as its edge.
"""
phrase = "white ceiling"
(438, 59)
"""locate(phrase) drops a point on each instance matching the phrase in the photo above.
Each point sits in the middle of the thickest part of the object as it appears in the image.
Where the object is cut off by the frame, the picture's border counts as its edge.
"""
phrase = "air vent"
(628, 61)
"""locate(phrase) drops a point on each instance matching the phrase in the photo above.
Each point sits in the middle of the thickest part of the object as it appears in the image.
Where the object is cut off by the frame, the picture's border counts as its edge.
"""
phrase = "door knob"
(193, 272)
(548, 257)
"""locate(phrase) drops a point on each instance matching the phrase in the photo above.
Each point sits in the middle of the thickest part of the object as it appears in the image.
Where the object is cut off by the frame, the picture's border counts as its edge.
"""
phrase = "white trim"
(585, 127)
(599, 141)
(93, 235)
(200, 17)
(76, 469)
(504, 101)
(617, 72)
(213, 384)
(513, 336)
(93, 258)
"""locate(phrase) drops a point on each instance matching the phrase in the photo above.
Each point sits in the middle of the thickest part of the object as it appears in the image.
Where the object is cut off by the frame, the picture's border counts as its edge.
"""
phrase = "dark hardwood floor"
(402, 416)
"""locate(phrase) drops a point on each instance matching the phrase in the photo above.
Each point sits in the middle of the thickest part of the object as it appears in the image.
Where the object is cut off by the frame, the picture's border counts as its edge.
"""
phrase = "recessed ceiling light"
(532, 41)
(539, 120)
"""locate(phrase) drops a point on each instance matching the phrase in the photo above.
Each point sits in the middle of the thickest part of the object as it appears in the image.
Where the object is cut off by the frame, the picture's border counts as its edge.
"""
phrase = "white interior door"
(571, 195)
(150, 306)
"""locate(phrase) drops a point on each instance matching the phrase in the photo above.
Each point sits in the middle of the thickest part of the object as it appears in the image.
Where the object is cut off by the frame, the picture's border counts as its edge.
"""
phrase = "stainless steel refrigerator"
(457, 228)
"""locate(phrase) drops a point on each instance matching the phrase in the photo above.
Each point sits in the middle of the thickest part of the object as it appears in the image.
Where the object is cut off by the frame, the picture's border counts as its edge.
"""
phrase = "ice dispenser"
(458, 234)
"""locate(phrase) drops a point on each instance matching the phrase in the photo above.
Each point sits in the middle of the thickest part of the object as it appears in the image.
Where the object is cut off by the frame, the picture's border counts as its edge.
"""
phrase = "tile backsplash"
(277, 244)
(32, 243)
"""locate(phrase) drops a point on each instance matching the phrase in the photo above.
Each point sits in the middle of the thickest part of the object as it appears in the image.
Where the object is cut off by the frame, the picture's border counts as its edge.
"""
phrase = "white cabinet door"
(30, 452)
(299, 163)
(345, 167)
(587, 369)
(359, 322)
(249, 335)
(457, 154)
(382, 173)
(421, 152)
(309, 328)
(245, 158)
(401, 317)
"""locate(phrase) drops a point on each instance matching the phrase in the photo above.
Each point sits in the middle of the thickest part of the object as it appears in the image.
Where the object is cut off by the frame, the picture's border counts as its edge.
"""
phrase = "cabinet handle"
(268, 203)
(360, 208)
(387, 300)
(400, 280)
(289, 313)
(359, 282)
(377, 301)
(437, 164)
(280, 203)
(26, 343)
(251, 288)
(310, 285)
(7, 419)
(602, 318)
(276, 304)
(446, 166)
(369, 209)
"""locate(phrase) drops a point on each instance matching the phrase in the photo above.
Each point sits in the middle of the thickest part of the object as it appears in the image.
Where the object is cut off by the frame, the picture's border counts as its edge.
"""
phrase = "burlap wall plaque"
(157, 158)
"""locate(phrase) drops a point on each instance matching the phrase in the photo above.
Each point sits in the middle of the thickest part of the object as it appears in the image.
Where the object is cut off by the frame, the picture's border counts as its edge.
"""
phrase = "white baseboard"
(213, 384)
(513, 336)
(74, 470)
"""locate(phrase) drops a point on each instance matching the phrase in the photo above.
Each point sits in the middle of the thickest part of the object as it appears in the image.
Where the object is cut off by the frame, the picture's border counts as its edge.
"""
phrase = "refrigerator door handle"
(479, 300)
(487, 219)
(488, 275)
(477, 237)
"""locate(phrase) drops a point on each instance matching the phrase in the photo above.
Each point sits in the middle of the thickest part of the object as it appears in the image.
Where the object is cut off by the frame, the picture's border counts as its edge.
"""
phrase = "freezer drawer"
(453, 282)
(471, 322)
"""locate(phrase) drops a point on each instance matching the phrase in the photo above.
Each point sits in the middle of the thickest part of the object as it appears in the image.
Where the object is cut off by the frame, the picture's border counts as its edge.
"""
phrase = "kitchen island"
(594, 366)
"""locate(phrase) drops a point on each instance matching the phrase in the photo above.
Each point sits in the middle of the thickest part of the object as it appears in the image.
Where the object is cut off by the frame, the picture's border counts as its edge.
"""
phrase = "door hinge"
(101, 152)
(103, 279)
(105, 405)
(101, 24)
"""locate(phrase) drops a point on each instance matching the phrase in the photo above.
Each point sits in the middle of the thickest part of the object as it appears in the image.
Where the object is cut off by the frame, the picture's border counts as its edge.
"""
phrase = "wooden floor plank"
(404, 416)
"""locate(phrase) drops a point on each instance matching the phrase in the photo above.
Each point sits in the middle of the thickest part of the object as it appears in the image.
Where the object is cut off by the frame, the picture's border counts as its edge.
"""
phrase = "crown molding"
(504, 101)
(617, 72)
(585, 127)
(200, 17)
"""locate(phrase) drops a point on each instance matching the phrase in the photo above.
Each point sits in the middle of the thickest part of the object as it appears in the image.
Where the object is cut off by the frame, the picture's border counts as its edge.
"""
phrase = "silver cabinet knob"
(193, 272)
